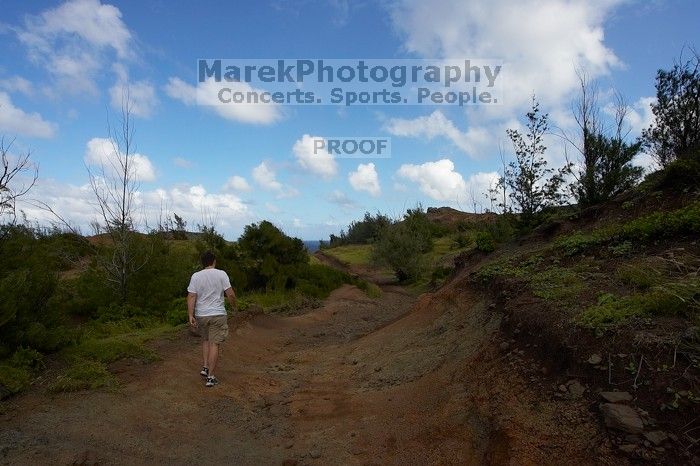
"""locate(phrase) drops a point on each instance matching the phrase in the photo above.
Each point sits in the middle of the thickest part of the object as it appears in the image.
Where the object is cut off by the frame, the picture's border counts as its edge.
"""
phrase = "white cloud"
(540, 42)
(77, 204)
(17, 84)
(319, 162)
(140, 95)
(237, 183)
(441, 182)
(70, 41)
(193, 202)
(478, 185)
(640, 116)
(472, 141)
(339, 198)
(438, 180)
(266, 178)
(205, 94)
(15, 120)
(365, 179)
(101, 153)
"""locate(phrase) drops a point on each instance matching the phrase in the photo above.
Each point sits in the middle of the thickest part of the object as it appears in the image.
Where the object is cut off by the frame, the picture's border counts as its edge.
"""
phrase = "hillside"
(575, 344)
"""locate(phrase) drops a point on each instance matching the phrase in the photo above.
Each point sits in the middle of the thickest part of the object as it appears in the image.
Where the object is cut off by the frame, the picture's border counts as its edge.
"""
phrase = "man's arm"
(231, 296)
(191, 300)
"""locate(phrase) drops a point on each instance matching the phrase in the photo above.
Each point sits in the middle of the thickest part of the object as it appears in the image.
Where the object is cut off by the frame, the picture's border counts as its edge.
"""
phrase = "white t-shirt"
(209, 285)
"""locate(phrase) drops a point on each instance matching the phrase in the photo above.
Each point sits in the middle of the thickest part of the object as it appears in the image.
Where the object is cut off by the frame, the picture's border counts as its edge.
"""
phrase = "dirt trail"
(393, 380)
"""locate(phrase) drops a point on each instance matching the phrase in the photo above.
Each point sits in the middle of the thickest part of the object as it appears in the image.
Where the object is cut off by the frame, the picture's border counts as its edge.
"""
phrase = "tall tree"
(114, 184)
(606, 167)
(531, 184)
(675, 132)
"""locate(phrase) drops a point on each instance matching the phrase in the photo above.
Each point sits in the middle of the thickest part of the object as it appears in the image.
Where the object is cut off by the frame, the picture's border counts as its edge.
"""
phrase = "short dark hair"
(207, 258)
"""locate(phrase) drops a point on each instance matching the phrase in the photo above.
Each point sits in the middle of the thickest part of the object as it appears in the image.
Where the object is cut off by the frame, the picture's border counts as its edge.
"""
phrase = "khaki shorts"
(213, 328)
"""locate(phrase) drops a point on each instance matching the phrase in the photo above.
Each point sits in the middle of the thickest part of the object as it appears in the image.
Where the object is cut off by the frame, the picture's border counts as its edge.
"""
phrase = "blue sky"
(61, 63)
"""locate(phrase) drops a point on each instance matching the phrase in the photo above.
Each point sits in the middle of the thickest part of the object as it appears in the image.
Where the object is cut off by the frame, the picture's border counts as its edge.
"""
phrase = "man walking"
(205, 306)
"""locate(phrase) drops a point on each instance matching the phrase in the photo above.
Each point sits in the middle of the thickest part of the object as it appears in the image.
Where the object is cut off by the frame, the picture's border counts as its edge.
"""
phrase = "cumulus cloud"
(365, 178)
(319, 162)
(266, 178)
(237, 183)
(205, 94)
(100, 152)
(15, 120)
(471, 141)
(541, 44)
(70, 41)
(438, 180)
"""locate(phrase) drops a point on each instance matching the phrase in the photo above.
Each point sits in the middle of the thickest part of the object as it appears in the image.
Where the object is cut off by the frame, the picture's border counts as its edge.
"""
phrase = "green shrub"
(177, 315)
(485, 242)
(27, 358)
(402, 249)
(14, 379)
(83, 375)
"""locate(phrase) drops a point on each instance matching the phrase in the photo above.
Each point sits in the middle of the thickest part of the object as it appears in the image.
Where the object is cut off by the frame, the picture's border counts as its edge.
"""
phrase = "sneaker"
(211, 381)
(204, 372)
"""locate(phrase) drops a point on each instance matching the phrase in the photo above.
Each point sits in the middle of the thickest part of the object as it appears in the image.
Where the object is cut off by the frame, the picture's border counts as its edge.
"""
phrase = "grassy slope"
(619, 282)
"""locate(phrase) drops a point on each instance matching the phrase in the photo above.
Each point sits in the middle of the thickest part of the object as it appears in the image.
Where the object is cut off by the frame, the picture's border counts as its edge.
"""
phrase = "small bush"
(27, 358)
(13, 379)
(485, 242)
(83, 375)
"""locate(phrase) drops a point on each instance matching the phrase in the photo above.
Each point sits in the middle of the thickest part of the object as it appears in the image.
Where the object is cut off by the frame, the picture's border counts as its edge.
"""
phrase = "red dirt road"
(393, 380)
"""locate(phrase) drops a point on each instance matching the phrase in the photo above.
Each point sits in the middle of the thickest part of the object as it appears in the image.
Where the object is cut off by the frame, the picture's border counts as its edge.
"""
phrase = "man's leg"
(205, 353)
(213, 351)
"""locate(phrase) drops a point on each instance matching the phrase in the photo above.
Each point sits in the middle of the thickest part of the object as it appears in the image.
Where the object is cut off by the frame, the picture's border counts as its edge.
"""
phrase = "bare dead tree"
(11, 171)
(114, 184)
(605, 167)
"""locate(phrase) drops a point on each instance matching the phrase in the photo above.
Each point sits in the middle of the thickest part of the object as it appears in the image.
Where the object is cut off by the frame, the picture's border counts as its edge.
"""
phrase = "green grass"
(557, 284)
(673, 298)
(83, 375)
(352, 254)
(267, 299)
(640, 230)
(112, 349)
